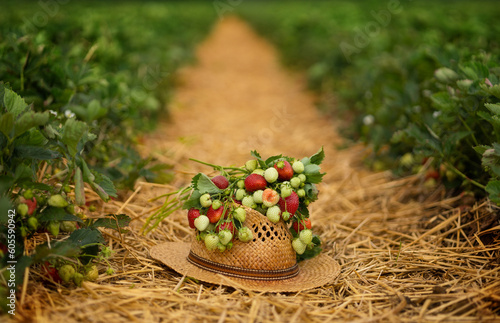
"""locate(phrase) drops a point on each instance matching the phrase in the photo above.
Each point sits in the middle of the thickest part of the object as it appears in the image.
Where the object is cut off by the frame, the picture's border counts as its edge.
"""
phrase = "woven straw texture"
(270, 249)
(313, 273)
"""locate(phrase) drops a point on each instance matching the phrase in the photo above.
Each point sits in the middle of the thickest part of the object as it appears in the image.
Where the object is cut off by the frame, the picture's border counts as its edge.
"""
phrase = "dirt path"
(401, 260)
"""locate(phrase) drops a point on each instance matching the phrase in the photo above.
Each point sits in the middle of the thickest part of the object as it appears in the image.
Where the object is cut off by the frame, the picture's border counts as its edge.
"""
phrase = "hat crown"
(269, 255)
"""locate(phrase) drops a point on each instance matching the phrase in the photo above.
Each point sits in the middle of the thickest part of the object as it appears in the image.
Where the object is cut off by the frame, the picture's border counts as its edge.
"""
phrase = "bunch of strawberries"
(279, 187)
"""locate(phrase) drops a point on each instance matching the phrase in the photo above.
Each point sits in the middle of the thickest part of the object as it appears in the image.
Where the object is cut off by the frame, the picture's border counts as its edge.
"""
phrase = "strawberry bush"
(77, 91)
(416, 88)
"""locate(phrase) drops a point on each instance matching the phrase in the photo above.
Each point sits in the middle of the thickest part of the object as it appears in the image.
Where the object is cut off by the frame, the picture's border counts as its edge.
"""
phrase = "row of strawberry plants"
(76, 92)
(411, 84)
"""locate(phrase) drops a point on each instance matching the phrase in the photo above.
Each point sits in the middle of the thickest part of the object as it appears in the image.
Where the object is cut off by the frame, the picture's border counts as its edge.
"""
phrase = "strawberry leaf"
(111, 222)
(255, 154)
(270, 161)
(318, 157)
(193, 201)
(57, 214)
(204, 184)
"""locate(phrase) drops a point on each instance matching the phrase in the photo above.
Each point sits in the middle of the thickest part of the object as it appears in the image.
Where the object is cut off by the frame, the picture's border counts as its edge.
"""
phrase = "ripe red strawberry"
(255, 182)
(50, 272)
(289, 204)
(227, 226)
(285, 170)
(299, 227)
(31, 205)
(215, 215)
(221, 182)
(192, 215)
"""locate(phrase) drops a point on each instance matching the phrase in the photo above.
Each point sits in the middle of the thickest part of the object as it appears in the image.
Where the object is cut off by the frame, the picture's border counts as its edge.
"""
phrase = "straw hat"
(267, 263)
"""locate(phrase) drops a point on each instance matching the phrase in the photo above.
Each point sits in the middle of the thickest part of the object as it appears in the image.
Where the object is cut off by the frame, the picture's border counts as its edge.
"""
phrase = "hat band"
(237, 272)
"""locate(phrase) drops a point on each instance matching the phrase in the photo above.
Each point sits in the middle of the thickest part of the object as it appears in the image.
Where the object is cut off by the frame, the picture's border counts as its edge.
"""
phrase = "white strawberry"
(273, 214)
(245, 234)
(298, 166)
(211, 241)
(298, 246)
(306, 236)
(240, 214)
(205, 200)
(201, 223)
(225, 236)
(257, 196)
(271, 175)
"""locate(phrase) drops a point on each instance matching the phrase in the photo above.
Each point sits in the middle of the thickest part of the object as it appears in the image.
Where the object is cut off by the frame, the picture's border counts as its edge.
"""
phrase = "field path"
(401, 260)
(238, 98)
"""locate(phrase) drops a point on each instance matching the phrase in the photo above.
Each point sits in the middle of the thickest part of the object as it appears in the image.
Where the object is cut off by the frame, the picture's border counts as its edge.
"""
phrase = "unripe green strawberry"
(225, 236)
(22, 209)
(240, 214)
(240, 183)
(301, 193)
(66, 272)
(78, 279)
(33, 223)
(92, 273)
(28, 194)
(298, 166)
(251, 165)
(286, 191)
(229, 245)
(306, 236)
(298, 246)
(24, 231)
(302, 178)
(201, 222)
(240, 194)
(271, 175)
(53, 228)
(257, 196)
(205, 200)
(259, 171)
(211, 241)
(285, 216)
(273, 214)
(245, 234)
(221, 247)
(216, 204)
(57, 201)
(110, 271)
(248, 202)
(68, 226)
(295, 182)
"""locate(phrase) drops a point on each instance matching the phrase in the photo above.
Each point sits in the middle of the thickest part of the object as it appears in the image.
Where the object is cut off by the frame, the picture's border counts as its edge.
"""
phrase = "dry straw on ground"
(408, 254)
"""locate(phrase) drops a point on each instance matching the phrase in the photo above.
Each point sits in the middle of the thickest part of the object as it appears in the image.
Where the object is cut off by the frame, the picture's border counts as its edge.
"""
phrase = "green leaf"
(495, 90)
(22, 172)
(204, 184)
(7, 124)
(58, 249)
(13, 102)
(494, 108)
(106, 184)
(270, 161)
(110, 223)
(79, 187)
(33, 137)
(29, 120)
(193, 201)
(442, 101)
(493, 189)
(5, 205)
(57, 214)
(73, 131)
(481, 149)
(261, 162)
(95, 111)
(33, 152)
(86, 236)
(488, 117)
(318, 157)
(313, 175)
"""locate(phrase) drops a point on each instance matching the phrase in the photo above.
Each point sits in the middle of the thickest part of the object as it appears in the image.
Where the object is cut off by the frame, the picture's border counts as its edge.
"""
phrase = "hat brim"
(313, 273)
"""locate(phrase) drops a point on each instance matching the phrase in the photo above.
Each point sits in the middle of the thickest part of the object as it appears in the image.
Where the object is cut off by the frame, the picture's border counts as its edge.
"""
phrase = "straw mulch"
(408, 253)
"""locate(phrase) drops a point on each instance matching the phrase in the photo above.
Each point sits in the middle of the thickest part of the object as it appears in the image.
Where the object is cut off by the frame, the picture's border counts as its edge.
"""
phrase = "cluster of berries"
(280, 188)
